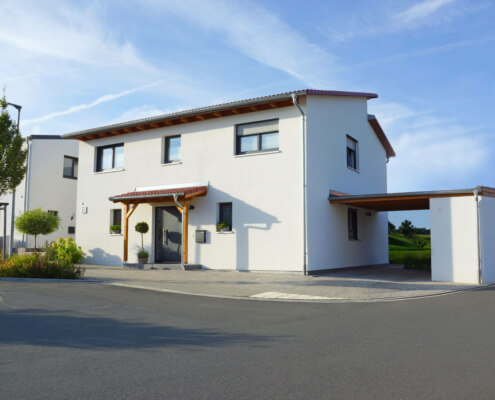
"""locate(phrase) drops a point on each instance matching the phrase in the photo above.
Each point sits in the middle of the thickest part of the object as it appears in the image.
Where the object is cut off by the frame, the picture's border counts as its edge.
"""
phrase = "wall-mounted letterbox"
(201, 236)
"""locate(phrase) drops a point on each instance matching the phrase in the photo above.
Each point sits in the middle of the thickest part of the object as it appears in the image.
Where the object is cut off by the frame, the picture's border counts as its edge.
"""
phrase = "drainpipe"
(305, 184)
(478, 232)
(181, 206)
(27, 185)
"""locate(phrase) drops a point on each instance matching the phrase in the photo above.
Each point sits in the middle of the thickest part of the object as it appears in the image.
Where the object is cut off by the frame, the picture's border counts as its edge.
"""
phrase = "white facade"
(266, 190)
(44, 187)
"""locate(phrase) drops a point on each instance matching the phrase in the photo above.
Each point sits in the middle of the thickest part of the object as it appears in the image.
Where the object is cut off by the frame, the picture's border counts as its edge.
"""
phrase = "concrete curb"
(50, 280)
(330, 301)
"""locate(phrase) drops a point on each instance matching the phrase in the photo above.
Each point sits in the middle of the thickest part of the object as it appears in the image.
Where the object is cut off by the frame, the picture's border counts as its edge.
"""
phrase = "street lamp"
(12, 220)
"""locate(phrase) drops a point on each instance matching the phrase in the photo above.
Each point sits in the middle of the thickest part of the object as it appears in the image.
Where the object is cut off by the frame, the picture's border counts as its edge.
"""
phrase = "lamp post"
(3, 207)
(12, 219)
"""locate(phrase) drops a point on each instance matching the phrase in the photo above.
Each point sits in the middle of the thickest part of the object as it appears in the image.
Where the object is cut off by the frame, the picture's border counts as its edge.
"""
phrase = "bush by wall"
(38, 266)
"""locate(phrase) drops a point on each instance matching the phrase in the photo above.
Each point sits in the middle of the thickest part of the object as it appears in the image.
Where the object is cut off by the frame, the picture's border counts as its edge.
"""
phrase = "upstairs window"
(352, 224)
(352, 153)
(172, 149)
(70, 167)
(257, 137)
(53, 212)
(110, 157)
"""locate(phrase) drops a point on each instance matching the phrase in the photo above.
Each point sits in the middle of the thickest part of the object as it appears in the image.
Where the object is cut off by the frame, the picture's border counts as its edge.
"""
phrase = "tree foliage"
(391, 227)
(406, 228)
(142, 228)
(420, 243)
(12, 155)
(37, 222)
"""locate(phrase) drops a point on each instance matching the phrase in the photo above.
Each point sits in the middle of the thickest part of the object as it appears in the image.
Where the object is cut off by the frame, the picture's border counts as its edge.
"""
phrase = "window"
(70, 167)
(257, 137)
(352, 153)
(71, 230)
(352, 223)
(109, 157)
(53, 212)
(225, 215)
(116, 221)
(172, 149)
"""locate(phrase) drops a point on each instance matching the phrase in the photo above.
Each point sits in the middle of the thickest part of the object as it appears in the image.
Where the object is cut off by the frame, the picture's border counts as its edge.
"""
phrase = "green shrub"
(38, 266)
(412, 259)
(142, 228)
(65, 251)
(115, 229)
(143, 254)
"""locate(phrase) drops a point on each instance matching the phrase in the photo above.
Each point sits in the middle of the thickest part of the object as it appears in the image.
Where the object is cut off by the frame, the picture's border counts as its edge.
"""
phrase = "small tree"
(37, 222)
(406, 228)
(420, 243)
(12, 155)
(391, 227)
(142, 228)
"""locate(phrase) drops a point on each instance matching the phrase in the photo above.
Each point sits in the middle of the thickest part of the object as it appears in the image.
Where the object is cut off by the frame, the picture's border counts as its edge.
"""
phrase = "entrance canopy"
(179, 194)
(402, 201)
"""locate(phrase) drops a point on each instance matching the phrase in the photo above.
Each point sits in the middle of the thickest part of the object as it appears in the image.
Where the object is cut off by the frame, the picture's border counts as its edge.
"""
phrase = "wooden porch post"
(127, 213)
(186, 225)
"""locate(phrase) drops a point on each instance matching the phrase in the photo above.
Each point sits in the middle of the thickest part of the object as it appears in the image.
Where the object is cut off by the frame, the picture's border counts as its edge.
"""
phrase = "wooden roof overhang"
(160, 196)
(402, 201)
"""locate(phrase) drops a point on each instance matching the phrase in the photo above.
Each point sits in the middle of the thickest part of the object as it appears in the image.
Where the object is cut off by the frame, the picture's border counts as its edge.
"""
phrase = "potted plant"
(143, 256)
(115, 229)
(142, 228)
(223, 227)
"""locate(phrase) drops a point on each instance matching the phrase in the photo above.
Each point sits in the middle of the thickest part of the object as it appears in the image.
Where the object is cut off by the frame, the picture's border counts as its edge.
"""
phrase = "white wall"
(47, 188)
(330, 120)
(265, 191)
(454, 243)
(487, 230)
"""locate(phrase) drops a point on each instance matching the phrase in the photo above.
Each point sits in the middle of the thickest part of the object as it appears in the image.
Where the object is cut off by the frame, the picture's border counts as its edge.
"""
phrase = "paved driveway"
(385, 282)
(90, 341)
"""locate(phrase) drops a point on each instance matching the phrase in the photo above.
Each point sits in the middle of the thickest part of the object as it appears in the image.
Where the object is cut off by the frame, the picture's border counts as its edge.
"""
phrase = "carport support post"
(186, 224)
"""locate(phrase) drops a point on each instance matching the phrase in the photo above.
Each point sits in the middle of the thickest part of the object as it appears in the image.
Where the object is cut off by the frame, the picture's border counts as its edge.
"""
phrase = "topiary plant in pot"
(142, 228)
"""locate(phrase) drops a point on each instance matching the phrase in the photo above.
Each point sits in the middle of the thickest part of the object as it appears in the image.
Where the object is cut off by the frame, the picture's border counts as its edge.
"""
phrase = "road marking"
(293, 296)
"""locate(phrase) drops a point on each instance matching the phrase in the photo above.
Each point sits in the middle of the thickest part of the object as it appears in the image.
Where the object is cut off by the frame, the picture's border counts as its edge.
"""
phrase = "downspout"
(181, 206)
(305, 184)
(27, 185)
(478, 232)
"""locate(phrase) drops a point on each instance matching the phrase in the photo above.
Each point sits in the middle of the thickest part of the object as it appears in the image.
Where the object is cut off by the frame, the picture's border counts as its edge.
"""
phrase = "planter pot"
(226, 229)
(143, 260)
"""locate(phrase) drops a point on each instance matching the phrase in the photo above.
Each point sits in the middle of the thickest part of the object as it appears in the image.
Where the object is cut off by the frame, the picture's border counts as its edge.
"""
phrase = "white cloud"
(432, 153)
(419, 11)
(259, 34)
(80, 107)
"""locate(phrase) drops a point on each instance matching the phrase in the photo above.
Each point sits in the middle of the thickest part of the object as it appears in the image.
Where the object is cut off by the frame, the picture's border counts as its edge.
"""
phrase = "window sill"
(355, 170)
(116, 234)
(225, 233)
(171, 163)
(258, 153)
(108, 171)
(70, 177)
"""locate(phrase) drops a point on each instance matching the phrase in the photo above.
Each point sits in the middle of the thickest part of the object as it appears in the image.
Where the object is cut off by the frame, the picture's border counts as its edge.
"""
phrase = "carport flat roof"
(402, 201)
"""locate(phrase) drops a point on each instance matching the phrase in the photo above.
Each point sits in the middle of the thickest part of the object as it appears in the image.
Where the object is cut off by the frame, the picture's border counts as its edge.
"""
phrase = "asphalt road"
(89, 341)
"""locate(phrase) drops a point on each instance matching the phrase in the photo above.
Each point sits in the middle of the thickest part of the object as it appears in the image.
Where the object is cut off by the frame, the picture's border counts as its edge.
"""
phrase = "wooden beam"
(253, 108)
(128, 210)
(185, 240)
(236, 111)
(185, 120)
(217, 114)
(273, 105)
(197, 194)
(201, 117)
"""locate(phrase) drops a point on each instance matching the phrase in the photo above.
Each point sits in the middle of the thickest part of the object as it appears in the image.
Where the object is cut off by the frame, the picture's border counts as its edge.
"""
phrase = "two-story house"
(50, 183)
(261, 167)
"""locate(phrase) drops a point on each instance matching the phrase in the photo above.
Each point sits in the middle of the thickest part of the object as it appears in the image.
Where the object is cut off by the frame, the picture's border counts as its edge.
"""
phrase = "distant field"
(401, 250)
(398, 242)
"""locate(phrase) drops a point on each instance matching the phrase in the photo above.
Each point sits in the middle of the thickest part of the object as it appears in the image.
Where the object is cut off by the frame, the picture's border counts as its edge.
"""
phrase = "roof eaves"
(382, 137)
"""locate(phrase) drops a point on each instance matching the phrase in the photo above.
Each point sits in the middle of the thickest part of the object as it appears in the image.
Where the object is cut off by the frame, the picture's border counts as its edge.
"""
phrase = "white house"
(262, 166)
(50, 183)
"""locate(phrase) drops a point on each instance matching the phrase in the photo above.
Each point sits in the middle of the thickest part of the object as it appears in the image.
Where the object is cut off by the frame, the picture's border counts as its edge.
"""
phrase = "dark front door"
(168, 235)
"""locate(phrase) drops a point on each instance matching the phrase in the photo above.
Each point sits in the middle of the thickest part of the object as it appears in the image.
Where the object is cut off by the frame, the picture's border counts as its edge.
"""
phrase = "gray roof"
(219, 107)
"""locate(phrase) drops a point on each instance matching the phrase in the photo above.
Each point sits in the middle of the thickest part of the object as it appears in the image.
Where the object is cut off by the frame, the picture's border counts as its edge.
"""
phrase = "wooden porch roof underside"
(160, 196)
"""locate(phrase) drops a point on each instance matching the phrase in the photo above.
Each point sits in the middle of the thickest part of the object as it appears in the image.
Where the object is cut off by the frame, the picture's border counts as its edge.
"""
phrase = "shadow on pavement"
(39, 328)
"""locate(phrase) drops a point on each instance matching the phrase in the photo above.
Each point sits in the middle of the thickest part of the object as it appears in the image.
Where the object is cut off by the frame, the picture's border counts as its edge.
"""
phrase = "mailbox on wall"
(201, 236)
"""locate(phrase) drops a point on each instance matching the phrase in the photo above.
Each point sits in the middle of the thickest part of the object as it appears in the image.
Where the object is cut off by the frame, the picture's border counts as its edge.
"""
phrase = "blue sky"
(76, 65)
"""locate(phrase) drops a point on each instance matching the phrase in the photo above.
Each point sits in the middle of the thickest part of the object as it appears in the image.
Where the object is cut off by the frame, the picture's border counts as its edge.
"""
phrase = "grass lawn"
(401, 250)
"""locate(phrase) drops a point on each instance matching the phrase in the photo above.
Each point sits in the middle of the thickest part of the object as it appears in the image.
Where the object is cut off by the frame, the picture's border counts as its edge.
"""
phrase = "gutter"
(476, 193)
(27, 184)
(304, 184)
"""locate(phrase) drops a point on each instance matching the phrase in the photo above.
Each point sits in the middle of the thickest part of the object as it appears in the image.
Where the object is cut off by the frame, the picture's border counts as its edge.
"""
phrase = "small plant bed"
(57, 262)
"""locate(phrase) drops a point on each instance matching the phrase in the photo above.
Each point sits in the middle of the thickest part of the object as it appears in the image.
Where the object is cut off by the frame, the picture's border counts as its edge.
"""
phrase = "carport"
(462, 228)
